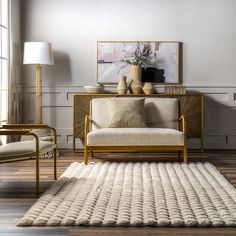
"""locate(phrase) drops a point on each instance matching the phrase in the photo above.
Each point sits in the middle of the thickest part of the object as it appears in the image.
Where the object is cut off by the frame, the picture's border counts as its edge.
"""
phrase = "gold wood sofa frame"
(91, 149)
(25, 129)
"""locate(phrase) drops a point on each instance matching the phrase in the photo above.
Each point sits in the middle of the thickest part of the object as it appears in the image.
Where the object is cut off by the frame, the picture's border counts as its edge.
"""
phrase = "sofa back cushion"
(100, 113)
(162, 112)
(159, 112)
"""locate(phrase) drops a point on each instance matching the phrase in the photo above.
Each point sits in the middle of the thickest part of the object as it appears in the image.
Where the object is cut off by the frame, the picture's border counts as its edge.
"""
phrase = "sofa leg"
(179, 155)
(185, 154)
(85, 155)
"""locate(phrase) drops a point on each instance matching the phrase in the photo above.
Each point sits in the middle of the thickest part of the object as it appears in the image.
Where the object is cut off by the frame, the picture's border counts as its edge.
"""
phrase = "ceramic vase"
(122, 87)
(136, 83)
(135, 72)
(148, 88)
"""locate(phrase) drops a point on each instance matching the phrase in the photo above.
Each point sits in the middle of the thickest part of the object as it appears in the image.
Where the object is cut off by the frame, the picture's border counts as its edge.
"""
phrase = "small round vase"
(136, 87)
(148, 88)
(122, 87)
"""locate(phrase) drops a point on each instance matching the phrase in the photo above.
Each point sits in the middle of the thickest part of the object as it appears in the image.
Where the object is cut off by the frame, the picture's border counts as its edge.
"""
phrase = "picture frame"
(165, 57)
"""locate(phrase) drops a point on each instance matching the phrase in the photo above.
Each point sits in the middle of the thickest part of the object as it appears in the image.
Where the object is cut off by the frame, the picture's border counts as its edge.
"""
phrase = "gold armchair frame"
(26, 129)
(88, 128)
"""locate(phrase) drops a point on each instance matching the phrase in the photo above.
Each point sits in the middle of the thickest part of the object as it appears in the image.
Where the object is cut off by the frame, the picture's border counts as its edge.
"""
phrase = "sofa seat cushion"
(135, 137)
(24, 149)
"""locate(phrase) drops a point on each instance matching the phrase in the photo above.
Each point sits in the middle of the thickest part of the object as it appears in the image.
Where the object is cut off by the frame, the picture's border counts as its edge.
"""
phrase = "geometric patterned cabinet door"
(191, 106)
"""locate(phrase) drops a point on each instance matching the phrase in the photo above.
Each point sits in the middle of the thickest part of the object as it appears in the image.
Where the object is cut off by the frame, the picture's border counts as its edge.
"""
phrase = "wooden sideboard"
(191, 106)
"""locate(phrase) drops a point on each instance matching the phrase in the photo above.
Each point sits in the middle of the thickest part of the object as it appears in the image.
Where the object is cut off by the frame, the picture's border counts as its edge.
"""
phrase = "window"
(4, 61)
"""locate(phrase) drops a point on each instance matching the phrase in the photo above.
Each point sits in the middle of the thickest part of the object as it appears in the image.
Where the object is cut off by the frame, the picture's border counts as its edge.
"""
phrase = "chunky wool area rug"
(136, 194)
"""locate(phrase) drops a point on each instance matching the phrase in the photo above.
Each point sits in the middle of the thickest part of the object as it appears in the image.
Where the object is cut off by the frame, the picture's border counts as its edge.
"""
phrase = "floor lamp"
(38, 53)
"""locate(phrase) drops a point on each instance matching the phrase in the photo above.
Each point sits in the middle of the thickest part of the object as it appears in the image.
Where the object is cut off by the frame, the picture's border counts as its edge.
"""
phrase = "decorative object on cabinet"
(136, 87)
(175, 89)
(191, 106)
(135, 73)
(38, 53)
(164, 65)
(148, 88)
(122, 87)
(94, 88)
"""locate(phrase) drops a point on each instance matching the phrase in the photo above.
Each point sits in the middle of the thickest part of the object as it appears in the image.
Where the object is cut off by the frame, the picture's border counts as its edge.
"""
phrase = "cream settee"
(164, 130)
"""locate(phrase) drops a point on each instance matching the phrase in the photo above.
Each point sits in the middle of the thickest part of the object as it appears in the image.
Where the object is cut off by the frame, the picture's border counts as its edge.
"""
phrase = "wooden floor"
(17, 195)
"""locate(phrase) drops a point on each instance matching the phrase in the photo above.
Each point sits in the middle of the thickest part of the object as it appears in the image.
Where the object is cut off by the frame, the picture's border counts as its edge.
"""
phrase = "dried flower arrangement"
(140, 57)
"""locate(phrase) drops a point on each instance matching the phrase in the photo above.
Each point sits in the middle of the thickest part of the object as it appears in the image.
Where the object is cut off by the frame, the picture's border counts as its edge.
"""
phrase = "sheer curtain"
(10, 63)
(4, 61)
(15, 63)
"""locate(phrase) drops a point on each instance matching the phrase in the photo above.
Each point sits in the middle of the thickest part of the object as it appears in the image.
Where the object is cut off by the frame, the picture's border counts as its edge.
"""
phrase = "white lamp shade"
(38, 53)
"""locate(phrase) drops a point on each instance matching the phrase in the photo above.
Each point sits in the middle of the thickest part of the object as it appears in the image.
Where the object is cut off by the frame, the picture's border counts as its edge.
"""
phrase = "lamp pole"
(38, 103)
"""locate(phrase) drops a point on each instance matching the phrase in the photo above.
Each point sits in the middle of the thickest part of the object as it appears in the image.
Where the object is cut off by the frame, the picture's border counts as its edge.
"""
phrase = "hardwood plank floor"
(17, 194)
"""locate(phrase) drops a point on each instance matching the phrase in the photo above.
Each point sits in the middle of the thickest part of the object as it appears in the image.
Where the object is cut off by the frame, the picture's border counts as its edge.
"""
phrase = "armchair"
(26, 150)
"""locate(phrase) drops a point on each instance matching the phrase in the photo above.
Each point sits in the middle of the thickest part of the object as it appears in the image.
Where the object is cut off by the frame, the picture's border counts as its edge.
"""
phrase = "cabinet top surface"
(136, 95)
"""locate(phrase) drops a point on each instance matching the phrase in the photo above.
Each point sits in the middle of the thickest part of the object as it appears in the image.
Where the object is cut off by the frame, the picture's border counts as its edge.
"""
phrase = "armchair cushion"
(127, 113)
(24, 149)
(135, 137)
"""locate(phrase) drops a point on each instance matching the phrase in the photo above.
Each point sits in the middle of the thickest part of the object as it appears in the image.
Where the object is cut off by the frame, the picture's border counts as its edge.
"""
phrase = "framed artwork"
(164, 68)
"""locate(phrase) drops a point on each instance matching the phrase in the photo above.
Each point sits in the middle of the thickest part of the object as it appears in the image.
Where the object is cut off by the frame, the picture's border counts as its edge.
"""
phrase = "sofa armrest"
(20, 129)
(87, 126)
(20, 132)
(88, 123)
(182, 124)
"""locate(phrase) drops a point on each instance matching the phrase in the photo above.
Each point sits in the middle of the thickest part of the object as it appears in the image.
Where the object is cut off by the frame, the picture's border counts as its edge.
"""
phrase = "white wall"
(206, 28)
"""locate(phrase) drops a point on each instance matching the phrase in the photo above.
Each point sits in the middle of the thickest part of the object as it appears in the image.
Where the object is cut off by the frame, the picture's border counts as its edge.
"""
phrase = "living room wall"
(206, 28)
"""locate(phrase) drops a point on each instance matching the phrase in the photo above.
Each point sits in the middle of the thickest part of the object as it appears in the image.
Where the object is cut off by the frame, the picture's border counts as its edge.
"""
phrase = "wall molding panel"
(219, 113)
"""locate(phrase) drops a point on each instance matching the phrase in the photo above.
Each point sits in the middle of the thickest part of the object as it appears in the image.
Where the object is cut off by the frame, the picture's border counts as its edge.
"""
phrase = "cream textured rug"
(136, 194)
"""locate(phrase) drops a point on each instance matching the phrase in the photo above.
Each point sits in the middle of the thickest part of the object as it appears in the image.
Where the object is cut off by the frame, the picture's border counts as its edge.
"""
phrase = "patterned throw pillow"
(127, 113)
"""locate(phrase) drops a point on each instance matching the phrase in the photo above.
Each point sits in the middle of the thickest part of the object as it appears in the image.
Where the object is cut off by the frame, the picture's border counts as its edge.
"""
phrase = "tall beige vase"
(136, 83)
(122, 87)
